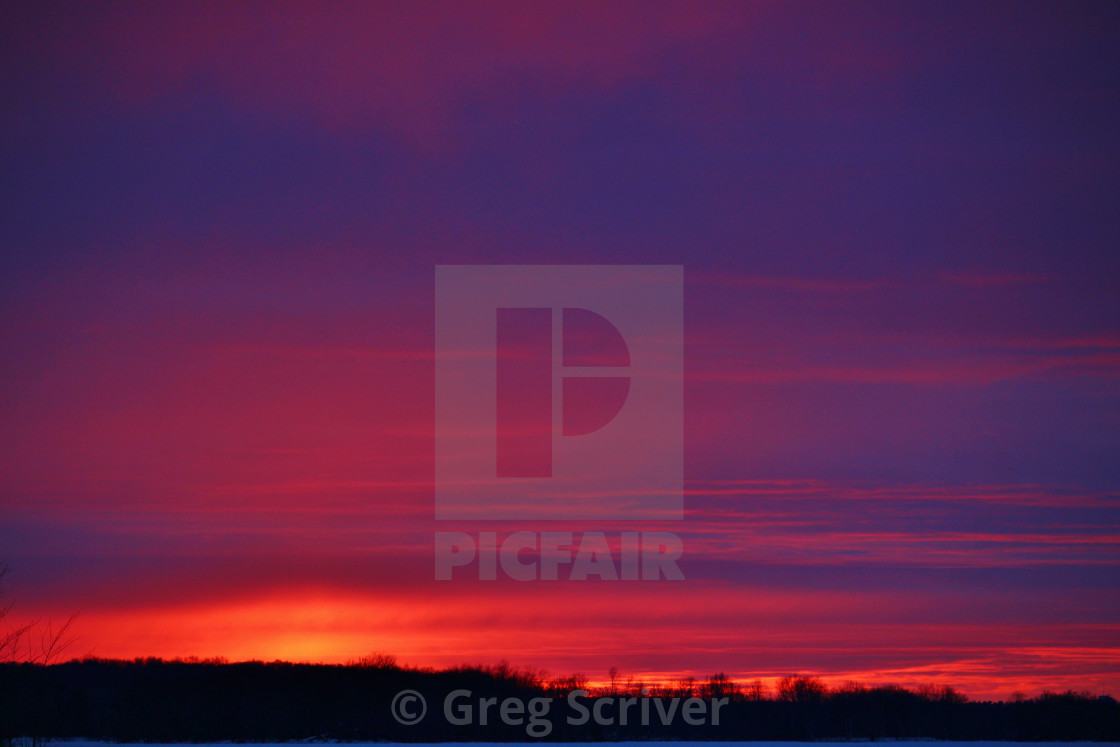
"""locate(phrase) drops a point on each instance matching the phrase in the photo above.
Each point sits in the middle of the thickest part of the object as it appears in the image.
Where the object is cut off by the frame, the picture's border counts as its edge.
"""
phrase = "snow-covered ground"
(892, 743)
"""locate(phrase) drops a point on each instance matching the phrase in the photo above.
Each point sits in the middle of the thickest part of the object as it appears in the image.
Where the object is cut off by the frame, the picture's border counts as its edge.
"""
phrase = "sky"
(901, 412)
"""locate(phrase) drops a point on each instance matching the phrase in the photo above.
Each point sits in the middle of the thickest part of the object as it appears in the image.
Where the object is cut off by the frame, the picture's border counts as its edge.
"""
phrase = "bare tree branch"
(53, 643)
(18, 643)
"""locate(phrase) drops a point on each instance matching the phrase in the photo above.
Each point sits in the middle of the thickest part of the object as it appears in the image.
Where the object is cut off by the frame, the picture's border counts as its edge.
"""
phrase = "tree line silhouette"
(210, 700)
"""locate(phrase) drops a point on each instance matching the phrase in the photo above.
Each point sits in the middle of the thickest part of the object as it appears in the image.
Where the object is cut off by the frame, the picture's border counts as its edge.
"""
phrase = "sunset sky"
(899, 229)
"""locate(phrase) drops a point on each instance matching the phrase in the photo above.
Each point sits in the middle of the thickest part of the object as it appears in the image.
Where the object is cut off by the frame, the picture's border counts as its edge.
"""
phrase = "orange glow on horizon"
(334, 627)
